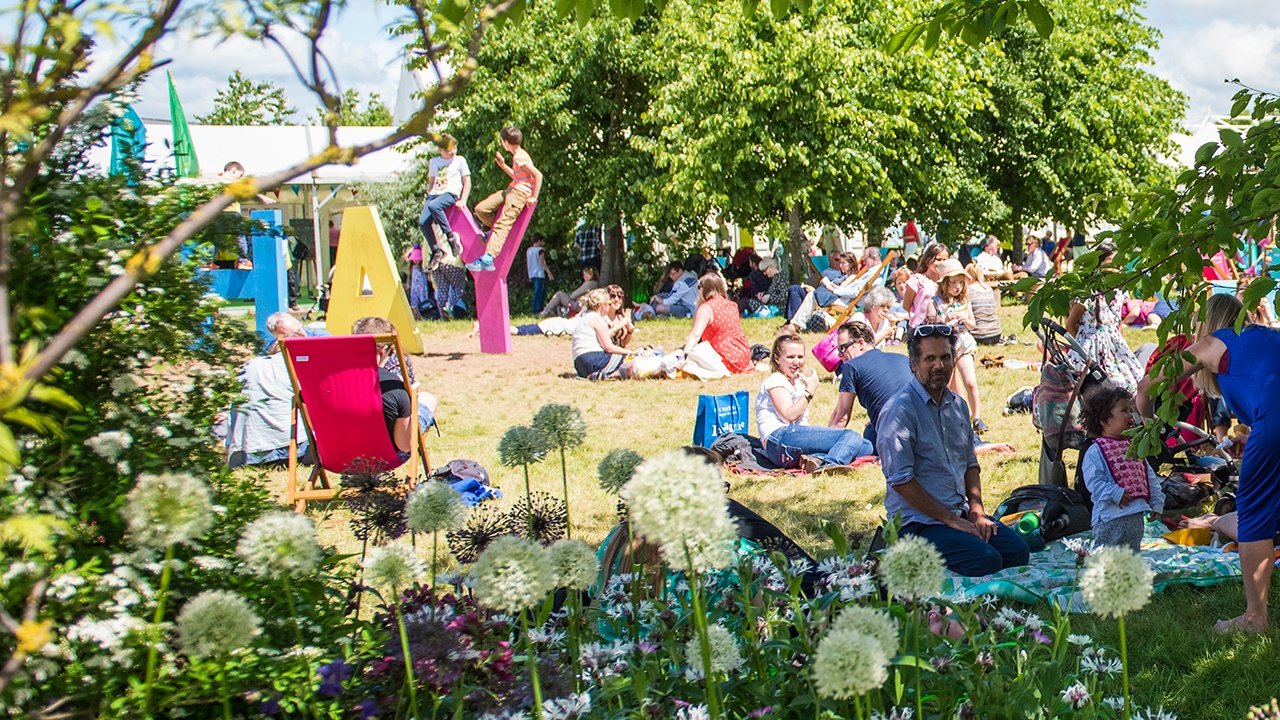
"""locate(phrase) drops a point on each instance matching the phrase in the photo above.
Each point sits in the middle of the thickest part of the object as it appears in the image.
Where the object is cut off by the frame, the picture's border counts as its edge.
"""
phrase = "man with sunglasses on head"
(925, 443)
(868, 374)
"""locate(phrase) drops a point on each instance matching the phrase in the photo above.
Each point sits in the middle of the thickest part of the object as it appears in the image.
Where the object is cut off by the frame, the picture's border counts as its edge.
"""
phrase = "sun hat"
(950, 267)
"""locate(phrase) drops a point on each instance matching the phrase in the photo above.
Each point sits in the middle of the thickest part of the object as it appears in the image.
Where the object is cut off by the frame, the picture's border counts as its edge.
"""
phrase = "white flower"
(434, 506)
(848, 664)
(216, 623)
(896, 713)
(1150, 714)
(1116, 581)
(725, 656)
(1075, 639)
(168, 509)
(392, 568)
(1115, 702)
(567, 708)
(279, 544)
(1095, 660)
(127, 383)
(110, 443)
(574, 563)
(677, 502)
(870, 621)
(912, 568)
(512, 574)
(693, 712)
(1077, 696)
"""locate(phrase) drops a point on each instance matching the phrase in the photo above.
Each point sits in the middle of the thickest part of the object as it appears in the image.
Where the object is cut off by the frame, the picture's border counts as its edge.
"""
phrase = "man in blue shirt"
(925, 443)
(868, 374)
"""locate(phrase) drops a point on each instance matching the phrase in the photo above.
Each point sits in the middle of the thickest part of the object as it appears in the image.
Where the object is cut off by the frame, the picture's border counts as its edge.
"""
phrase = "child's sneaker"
(455, 242)
(484, 263)
(436, 258)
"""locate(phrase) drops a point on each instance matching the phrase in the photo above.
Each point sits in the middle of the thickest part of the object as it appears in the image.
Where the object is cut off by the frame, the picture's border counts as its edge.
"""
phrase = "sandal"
(979, 427)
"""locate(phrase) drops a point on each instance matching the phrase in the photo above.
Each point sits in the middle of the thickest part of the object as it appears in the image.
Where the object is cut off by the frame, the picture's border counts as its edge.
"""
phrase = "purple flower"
(646, 648)
(270, 706)
(368, 709)
(331, 678)
(1041, 637)
(760, 712)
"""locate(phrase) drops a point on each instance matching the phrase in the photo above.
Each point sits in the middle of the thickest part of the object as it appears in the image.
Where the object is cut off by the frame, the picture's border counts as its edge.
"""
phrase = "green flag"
(184, 151)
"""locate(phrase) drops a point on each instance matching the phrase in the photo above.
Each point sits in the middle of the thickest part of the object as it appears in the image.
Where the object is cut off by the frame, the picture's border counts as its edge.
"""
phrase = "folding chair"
(841, 313)
(339, 400)
(820, 263)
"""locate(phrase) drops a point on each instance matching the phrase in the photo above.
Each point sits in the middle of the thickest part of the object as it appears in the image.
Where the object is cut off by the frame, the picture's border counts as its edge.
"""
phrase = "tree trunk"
(1016, 235)
(613, 270)
(797, 245)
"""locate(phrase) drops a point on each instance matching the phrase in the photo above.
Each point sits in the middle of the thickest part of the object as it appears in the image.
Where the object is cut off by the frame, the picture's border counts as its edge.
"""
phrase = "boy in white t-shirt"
(539, 273)
(449, 182)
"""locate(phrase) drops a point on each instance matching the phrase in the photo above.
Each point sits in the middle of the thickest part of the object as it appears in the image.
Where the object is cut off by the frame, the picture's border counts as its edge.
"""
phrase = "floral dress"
(1100, 338)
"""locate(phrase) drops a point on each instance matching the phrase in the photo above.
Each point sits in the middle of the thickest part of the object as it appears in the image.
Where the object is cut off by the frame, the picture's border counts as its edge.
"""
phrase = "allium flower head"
(561, 425)
(279, 544)
(617, 468)
(512, 575)
(547, 514)
(725, 656)
(848, 664)
(574, 563)
(392, 568)
(483, 526)
(1116, 581)
(678, 502)
(870, 621)
(215, 623)
(168, 509)
(1266, 712)
(1077, 695)
(435, 506)
(913, 568)
(521, 445)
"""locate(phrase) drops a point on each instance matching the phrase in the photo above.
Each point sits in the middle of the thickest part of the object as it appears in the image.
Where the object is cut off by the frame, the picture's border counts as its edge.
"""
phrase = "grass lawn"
(1177, 659)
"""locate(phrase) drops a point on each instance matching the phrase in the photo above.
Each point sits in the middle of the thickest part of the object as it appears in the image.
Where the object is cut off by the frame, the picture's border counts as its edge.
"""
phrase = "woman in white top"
(595, 355)
(877, 306)
(782, 415)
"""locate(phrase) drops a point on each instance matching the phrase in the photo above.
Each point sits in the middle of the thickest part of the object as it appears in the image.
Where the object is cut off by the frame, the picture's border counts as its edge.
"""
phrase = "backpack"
(1063, 511)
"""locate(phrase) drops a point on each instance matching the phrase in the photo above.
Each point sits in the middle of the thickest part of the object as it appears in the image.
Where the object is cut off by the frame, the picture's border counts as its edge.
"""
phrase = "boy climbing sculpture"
(526, 183)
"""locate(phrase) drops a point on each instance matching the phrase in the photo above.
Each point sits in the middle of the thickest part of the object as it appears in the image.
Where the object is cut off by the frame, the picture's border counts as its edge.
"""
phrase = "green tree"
(580, 102)
(245, 102)
(1078, 123)
(357, 111)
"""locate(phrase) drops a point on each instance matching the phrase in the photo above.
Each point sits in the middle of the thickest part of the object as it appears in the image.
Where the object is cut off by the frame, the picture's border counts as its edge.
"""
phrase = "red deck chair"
(336, 394)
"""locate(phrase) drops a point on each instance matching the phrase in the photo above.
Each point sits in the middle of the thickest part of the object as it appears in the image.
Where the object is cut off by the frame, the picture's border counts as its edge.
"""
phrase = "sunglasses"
(844, 346)
(927, 330)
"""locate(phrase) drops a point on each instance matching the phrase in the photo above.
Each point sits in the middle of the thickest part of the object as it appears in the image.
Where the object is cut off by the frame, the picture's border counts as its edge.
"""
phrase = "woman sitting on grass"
(782, 415)
(563, 303)
(877, 306)
(716, 341)
(595, 355)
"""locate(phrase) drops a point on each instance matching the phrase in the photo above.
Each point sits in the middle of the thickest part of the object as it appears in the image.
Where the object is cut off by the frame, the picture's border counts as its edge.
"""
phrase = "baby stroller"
(1055, 403)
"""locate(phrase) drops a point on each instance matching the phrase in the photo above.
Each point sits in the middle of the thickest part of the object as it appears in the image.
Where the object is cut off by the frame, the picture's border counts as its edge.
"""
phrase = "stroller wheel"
(1225, 504)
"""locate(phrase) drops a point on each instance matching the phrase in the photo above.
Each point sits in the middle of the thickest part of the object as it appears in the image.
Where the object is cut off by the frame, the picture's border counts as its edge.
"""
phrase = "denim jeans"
(433, 211)
(970, 555)
(680, 310)
(539, 294)
(829, 446)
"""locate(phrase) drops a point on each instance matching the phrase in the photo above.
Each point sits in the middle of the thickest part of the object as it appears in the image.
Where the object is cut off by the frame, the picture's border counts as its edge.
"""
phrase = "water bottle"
(1028, 523)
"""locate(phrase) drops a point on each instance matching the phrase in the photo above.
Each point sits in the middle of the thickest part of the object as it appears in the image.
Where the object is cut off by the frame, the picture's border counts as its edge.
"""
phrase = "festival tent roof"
(268, 148)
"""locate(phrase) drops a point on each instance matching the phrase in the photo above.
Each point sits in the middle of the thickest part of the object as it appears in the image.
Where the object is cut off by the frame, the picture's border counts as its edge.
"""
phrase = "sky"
(1205, 41)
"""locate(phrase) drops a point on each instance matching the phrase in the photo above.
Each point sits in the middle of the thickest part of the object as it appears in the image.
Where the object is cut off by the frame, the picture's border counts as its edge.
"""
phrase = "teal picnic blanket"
(1051, 576)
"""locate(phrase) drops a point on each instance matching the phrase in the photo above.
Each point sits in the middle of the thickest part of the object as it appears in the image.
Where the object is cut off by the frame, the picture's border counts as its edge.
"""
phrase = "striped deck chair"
(863, 281)
(339, 401)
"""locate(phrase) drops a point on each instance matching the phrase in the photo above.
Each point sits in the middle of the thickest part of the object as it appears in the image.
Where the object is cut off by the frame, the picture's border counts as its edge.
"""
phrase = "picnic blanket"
(1051, 576)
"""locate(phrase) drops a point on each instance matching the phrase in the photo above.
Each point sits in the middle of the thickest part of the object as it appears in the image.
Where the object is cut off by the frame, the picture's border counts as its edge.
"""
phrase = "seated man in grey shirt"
(925, 443)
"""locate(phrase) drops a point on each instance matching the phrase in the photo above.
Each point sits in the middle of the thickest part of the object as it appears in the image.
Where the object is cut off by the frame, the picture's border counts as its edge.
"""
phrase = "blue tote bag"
(720, 415)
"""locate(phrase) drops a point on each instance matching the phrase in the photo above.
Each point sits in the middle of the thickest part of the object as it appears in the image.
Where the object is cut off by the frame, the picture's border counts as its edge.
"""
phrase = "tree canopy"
(247, 102)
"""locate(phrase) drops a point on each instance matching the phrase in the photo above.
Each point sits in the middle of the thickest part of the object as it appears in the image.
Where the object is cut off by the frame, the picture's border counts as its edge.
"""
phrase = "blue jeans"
(970, 555)
(829, 446)
(680, 310)
(795, 296)
(433, 212)
(539, 294)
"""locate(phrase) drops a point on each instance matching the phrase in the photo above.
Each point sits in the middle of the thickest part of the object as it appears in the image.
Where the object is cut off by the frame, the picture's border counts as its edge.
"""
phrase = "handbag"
(827, 351)
(720, 415)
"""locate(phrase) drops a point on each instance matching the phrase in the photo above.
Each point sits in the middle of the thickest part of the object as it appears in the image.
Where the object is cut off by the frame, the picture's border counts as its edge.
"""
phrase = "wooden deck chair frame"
(318, 486)
(839, 313)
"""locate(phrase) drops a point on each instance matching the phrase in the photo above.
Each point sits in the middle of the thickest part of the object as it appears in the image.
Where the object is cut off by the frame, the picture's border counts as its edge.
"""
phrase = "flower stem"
(564, 479)
(166, 573)
(408, 661)
(1124, 669)
(704, 641)
(533, 667)
(528, 500)
(915, 650)
(435, 543)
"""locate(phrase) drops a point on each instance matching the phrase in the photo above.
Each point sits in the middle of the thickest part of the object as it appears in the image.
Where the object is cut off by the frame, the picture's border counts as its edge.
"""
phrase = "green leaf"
(1241, 101)
(914, 661)
(1039, 16)
(1230, 138)
(9, 455)
(779, 8)
(1205, 152)
(1257, 290)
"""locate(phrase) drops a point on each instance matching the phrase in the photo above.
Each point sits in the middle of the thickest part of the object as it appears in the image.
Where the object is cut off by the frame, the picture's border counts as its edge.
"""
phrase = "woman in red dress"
(717, 323)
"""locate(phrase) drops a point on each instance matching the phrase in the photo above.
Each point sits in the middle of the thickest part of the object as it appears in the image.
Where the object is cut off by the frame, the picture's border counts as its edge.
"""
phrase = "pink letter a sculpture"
(492, 309)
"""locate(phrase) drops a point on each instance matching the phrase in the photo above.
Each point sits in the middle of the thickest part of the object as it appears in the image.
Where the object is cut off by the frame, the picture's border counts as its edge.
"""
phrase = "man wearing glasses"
(870, 375)
(925, 443)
